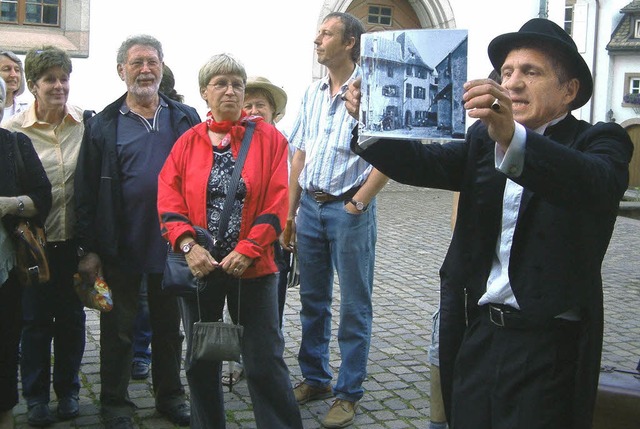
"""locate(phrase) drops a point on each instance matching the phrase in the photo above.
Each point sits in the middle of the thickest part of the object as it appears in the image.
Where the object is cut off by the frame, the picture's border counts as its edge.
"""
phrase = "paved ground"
(413, 233)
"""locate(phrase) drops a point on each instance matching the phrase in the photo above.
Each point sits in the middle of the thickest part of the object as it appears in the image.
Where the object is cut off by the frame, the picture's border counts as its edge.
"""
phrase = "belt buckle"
(499, 312)
(319, 196)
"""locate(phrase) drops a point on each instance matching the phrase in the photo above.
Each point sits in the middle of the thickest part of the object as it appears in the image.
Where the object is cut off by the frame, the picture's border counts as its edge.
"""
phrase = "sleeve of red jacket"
(273, 203)
(172, 207)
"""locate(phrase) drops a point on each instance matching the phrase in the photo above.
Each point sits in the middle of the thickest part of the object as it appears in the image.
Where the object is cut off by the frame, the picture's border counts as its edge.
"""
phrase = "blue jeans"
(274, 404)
(142, 328)
(52, 312)
(331, 238)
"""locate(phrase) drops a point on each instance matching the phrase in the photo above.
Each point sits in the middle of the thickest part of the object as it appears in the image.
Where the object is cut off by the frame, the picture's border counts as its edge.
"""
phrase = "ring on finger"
(495, 106)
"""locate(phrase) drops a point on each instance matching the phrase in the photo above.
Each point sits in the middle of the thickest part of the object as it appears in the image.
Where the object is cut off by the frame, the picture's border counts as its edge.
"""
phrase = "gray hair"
(13, 57)
(140, 39)
(220, 64)
(3, 97)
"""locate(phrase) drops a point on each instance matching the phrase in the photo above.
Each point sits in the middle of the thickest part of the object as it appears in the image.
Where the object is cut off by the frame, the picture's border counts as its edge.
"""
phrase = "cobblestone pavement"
(413, 235)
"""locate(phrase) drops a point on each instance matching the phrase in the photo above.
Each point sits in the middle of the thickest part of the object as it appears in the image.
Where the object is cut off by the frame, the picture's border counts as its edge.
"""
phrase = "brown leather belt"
(323, 197)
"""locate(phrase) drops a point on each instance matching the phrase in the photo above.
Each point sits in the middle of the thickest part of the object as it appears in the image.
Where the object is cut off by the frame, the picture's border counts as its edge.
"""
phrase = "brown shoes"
(305, 392)
(341, 414)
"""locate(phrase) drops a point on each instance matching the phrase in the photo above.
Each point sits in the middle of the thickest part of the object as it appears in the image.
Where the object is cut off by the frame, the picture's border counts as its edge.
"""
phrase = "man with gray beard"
(123, 149)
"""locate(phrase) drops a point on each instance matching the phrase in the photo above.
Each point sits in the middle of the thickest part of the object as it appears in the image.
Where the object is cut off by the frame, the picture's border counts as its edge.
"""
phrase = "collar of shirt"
(30, 118)
(126, 110)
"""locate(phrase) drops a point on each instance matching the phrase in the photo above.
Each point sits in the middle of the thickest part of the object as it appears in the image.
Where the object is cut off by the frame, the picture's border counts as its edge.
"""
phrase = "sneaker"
(40, 416)
(341, 414)
(305, 392)
(139, 370)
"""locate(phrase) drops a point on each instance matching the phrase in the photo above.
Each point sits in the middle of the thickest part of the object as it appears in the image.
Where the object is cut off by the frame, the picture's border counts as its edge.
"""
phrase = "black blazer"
(36, 186)
(573, 180)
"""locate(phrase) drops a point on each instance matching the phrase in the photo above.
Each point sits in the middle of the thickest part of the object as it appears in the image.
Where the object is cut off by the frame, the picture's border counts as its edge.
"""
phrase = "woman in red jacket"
(192, 188)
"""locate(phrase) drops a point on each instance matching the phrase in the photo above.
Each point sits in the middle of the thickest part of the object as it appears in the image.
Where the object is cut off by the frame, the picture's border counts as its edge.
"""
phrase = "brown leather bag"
(32, 265)
(618, 400)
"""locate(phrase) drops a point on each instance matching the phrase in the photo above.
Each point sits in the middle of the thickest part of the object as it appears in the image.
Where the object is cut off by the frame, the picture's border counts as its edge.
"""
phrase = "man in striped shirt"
(332, 190)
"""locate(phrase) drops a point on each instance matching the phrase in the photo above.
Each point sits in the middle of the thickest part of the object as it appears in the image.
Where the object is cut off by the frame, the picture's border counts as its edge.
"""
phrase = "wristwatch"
(186, 248)
(359, 205)
(81, 252)
(20, 205)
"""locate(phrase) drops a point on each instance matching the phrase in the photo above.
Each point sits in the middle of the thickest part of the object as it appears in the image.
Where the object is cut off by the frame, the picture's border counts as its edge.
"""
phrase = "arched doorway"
(404, 14)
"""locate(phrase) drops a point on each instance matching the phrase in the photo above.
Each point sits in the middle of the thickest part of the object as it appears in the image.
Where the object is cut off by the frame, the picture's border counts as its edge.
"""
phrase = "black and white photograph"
(412, 84)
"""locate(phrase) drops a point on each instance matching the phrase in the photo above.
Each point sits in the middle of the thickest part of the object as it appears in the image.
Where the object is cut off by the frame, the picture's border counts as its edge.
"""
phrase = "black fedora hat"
(540, 30)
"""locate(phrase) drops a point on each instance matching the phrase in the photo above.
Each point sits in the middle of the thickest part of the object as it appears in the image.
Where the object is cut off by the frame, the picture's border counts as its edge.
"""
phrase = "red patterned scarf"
(234, 129)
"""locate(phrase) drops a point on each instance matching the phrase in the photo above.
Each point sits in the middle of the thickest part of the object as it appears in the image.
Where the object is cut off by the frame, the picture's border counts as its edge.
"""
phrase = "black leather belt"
(505, 316)
(323, 197)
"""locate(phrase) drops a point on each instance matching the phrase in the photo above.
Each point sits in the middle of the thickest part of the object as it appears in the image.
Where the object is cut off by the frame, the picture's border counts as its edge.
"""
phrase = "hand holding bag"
(216, 341)
(178, 279)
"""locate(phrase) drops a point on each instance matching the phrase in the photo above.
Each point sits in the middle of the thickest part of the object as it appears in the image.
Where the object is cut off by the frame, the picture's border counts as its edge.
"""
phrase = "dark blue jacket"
(98, 191)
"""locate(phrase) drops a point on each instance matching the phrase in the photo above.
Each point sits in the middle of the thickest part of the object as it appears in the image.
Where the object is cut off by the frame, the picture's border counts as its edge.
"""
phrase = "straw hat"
(278, 94)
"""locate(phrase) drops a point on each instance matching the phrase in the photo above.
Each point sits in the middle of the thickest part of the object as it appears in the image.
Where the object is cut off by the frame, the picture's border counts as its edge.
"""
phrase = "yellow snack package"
(96, 296)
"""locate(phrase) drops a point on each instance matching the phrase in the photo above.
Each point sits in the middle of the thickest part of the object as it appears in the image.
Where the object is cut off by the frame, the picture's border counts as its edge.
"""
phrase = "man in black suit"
(521, 289)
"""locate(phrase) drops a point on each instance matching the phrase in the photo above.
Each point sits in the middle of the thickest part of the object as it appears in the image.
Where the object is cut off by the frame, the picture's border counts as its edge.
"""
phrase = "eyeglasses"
(138, 64)
(222, 85)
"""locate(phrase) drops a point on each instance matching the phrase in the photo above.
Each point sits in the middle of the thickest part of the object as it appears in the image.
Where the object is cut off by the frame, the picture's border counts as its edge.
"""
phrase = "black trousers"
(507, 378)
(116, 343)
(10, 328)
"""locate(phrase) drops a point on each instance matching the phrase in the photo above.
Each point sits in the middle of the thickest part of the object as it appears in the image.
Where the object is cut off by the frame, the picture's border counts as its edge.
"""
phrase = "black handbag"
(217, 341)
(178, 279)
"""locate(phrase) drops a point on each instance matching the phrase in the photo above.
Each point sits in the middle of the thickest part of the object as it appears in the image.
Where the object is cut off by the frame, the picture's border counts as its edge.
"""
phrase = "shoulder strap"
(235, 179)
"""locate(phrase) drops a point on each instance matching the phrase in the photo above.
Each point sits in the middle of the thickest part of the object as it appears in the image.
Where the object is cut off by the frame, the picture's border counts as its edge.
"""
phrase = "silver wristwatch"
(20, 205)
(359, 205)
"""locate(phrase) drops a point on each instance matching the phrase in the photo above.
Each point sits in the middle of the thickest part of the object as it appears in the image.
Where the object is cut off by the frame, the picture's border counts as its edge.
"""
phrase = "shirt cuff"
(511, 162)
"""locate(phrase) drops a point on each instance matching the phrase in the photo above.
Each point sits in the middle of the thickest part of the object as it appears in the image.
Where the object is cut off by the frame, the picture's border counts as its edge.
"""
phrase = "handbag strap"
(228, 202)
(198, 299)
(233, 183)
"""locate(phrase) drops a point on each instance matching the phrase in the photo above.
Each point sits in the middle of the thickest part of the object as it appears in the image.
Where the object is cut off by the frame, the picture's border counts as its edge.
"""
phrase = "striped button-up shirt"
(323, 131)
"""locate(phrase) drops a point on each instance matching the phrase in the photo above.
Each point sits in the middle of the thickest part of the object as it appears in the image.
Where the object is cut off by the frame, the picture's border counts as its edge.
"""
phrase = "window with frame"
(421, 72)
(390, 71)
(568, 20)
(409, 71)
(419, 93)
(408, 90)
(631, 88)
(30, 12)
(379, 15)
(390, 91)
(25, 24)
(636, 32)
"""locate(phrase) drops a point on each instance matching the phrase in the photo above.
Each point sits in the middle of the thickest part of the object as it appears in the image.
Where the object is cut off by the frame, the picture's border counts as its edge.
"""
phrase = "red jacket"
(182, 192)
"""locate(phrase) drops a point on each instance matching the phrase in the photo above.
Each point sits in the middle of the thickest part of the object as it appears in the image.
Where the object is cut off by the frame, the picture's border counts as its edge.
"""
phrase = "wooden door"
(634, 165)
